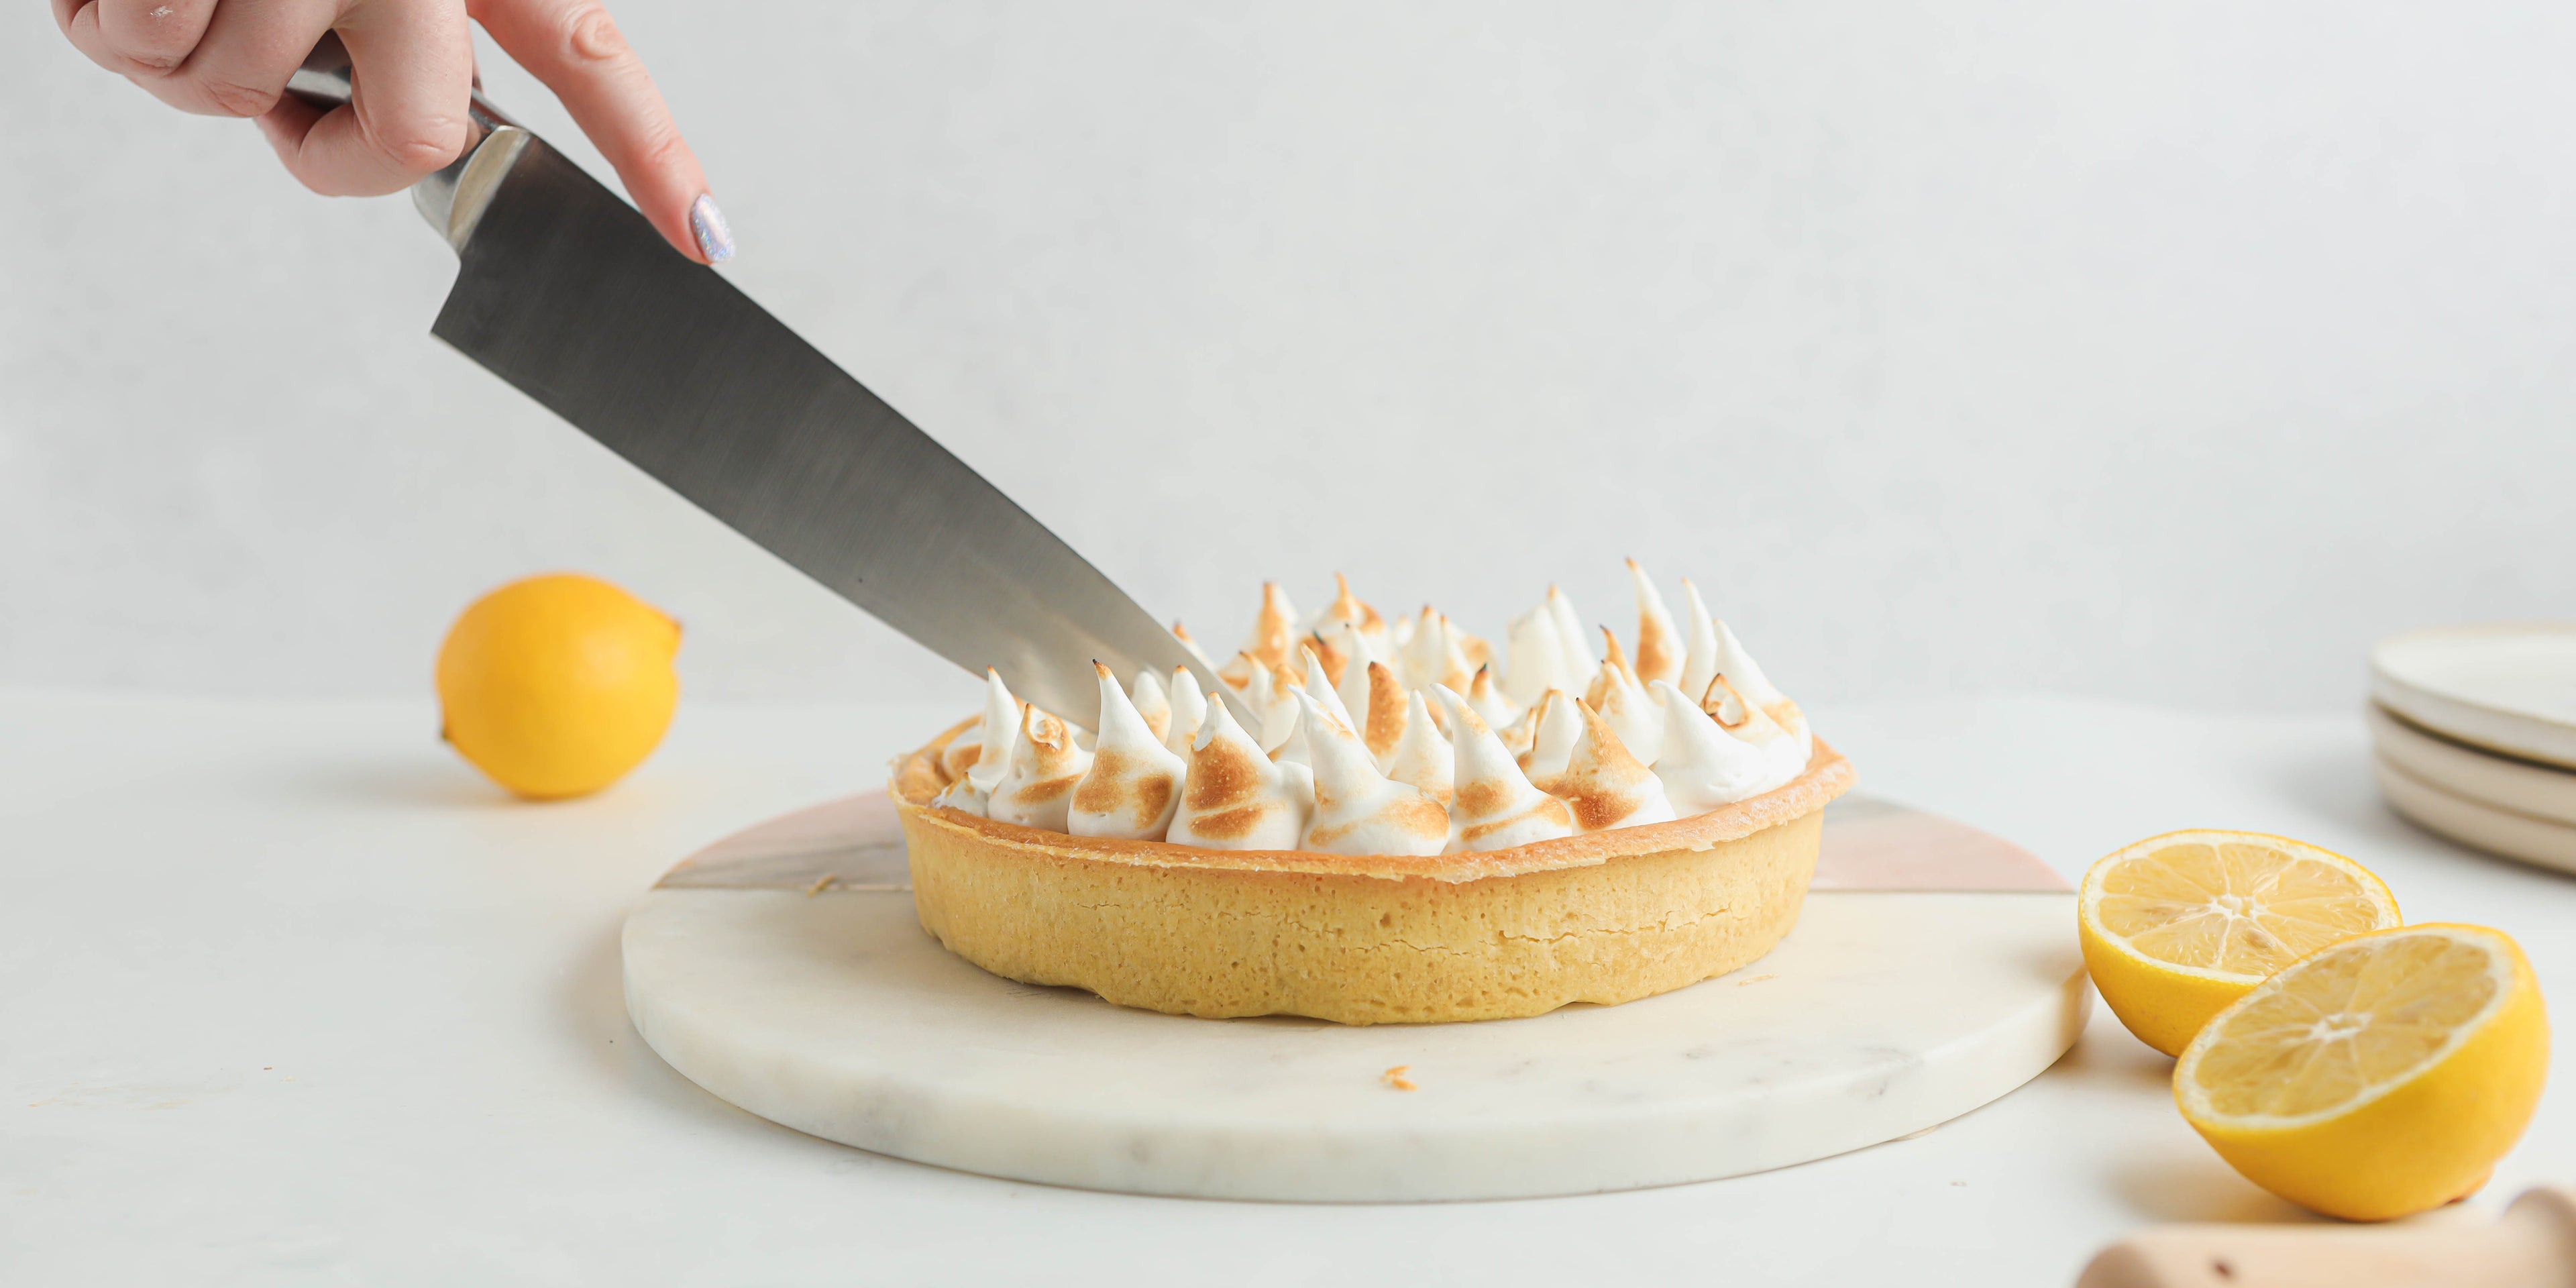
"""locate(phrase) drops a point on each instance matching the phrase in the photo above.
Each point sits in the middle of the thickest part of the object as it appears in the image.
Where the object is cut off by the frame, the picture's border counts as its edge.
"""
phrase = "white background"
(2169, 354)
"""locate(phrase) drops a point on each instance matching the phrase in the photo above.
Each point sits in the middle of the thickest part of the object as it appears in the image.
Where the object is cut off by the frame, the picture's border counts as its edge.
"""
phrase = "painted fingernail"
(707, 224)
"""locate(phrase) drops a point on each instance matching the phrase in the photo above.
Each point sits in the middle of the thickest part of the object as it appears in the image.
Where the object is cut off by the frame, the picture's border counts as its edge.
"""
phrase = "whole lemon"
(555, 686)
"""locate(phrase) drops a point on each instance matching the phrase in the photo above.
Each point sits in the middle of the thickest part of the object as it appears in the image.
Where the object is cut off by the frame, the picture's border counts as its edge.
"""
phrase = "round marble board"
(1933, 969)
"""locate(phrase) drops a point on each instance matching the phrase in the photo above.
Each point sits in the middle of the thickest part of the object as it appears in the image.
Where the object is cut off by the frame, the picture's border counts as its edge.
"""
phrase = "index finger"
(575, 48)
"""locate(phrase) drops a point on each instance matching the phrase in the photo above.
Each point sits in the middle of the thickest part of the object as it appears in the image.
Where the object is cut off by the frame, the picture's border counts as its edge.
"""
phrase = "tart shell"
(1603, 917)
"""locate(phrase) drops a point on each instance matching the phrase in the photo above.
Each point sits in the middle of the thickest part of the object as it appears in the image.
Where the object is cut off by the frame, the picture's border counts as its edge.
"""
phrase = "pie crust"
(1603, 917)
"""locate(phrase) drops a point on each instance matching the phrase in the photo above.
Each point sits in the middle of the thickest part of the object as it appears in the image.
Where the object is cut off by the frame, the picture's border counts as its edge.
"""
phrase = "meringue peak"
(1386, 712)
(1493, 807)
(1188, 710)
(1271, 694)
(1357, 809)
(1603, 783)
(1699, 661)
(1134, 781)
(1552, 737)
(1182, 633)
(1036, 788)
(1421, 756)
(1001, 718)
(1433, 655)
(1352, 685)
(1233, 797)
(1660, 650)
(1319, 687)
(1740, 670)
(1346, 610)
(1701, 765)
(1274, 631)
(1630, 709)
(1151, 702)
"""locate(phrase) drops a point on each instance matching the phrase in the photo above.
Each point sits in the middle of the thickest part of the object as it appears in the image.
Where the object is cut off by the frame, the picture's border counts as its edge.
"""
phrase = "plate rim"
(2511, 730)
(2437, 761)
(2385, 771)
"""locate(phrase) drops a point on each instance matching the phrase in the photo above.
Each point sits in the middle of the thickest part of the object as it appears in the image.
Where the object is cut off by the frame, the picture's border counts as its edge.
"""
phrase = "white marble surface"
(292, 998)
(1880, 1015)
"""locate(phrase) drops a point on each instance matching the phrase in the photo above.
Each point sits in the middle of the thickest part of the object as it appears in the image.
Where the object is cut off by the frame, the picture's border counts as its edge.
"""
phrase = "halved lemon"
(2177, 926)
(2378, 1078)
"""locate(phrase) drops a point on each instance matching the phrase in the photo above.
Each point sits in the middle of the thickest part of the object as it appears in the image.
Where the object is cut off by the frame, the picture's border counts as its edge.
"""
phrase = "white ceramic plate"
(2476, 825)
(2518, 785)
(2509, 686)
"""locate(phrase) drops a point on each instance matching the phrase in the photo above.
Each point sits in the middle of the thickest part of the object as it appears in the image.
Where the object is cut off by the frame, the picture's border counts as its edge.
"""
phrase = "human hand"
(414, 62)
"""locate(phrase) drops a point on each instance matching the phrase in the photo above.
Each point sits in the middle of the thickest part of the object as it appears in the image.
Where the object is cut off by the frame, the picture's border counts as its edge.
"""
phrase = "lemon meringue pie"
(1422, 828)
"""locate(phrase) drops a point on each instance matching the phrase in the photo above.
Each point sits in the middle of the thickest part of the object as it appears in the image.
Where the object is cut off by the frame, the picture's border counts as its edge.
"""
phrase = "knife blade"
(567, 293)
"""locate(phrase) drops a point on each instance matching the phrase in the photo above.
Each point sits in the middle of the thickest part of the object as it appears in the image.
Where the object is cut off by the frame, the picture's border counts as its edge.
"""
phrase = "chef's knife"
(567, 293)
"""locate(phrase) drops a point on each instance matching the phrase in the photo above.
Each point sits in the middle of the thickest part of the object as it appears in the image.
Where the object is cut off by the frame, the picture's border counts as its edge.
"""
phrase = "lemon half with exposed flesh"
(2176, 927)
(2380, 1077)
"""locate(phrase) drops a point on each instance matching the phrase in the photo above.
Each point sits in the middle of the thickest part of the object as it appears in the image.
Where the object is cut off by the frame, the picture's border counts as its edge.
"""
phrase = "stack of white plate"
(2473, 730)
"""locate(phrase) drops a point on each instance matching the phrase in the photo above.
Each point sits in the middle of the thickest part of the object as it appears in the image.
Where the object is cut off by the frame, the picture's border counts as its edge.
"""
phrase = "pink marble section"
(856, 843)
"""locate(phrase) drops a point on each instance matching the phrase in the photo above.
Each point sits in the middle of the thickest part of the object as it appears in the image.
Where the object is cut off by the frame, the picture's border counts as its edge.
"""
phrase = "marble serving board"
(1933, 969)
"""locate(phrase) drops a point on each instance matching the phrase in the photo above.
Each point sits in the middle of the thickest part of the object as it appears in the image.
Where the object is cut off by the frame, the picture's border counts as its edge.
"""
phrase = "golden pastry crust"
(1602, 917)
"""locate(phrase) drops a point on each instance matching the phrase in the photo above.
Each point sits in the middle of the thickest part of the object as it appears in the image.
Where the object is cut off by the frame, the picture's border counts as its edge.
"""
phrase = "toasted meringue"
(1570, 635)
(1134, 782)
(1489, 701)
(1182, 633)
(1386, 714)
(1699, 663)
(1272, 696)
(1557, 723)
(1741, 671)
(1493, 806)
(1536, 660)
(961, 795)
(1630, 709)
(1320, 688)
(1603, 784)
(1189, 707)
(1659, 646)
(1600, 678)
(1351, 612)
(1520, 734)
(1783, 758)
(1433, 655)
(1399, 634)
(1036, 790)
(1152, 703)
(1352, 686)
(1274, 632)
(960, 755)
(1478, 650)
(1357, 809)
(1421, 756)
(1703, 766)
(1335, 660)
(1233, 797)
(1001, 722)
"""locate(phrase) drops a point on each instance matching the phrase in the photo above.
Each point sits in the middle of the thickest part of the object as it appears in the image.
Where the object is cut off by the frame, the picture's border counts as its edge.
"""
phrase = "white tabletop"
(293, 997)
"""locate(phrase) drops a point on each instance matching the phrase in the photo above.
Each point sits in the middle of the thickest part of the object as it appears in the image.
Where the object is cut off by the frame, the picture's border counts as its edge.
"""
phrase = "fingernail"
(707, 224)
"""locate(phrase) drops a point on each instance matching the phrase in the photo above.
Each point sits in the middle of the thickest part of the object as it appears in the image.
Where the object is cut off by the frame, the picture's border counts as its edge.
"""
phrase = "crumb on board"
(1395, 1077)
(1754, 979)
(821, 884)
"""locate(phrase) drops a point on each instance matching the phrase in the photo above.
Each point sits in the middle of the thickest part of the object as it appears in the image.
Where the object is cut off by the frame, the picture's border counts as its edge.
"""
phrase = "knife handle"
(2532, 1246)
(453, 199)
